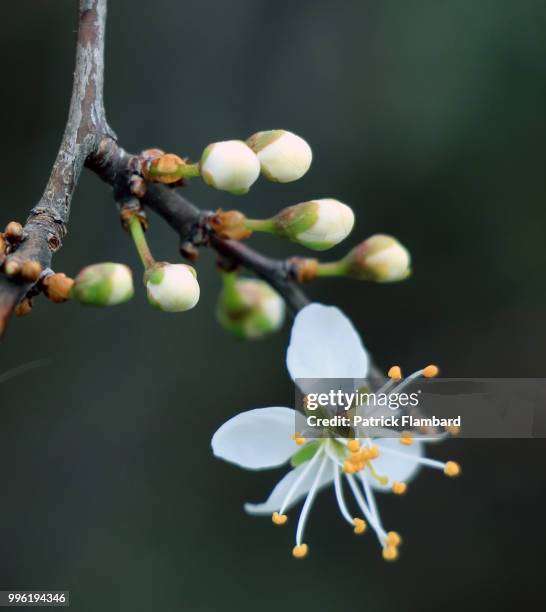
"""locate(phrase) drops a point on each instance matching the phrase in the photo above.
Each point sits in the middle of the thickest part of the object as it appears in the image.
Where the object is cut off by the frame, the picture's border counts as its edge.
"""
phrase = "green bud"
(380, 258)
(249, 308)
(318, 224)
(104, 284)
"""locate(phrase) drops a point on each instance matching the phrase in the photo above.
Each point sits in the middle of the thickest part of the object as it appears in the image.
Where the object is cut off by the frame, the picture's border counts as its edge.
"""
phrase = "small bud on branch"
(284, 157)
(249, 308)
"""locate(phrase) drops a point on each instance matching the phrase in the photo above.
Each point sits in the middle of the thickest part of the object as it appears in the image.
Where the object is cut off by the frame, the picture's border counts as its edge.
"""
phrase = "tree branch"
(89, 141)
(85, 128)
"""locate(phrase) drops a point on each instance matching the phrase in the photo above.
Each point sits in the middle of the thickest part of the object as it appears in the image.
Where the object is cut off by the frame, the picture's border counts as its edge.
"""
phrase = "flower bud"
(284, 157)
(172, 287)
(230, 166)
(104, 284)
(250, 308)
(380, 258)
(318, 224)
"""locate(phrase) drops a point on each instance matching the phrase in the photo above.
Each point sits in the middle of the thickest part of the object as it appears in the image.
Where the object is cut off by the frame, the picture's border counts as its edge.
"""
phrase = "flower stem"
(260, 225)
(181, 171)
(137, 233)
(333, 268)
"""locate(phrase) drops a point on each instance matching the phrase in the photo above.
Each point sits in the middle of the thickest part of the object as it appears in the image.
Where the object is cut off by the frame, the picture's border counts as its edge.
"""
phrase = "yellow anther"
(279, 519)
(452, 469)
(356, 458)
(390, 553)
(454, 430)
(300, 551)
(395, 373)
(353, 446)
(298, 438)
(406, 438)
(360, 526)
(399, 488)
(349, 468)
(393, 539)
(373, 452)
(430, 371)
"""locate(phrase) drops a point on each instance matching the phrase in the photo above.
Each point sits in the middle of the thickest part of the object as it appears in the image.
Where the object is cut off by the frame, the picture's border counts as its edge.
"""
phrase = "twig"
(85, 128)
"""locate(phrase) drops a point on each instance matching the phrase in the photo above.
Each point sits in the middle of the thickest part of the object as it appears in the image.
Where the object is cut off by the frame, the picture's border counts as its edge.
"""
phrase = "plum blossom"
(324, 344)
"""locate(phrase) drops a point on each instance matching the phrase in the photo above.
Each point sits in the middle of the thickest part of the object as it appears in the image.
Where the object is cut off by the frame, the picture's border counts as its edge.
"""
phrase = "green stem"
(183, 171)
(333, 268)
(137, 233)
(261, 225)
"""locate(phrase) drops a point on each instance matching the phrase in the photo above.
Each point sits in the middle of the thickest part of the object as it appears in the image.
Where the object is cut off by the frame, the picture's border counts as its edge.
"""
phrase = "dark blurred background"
(428, 117)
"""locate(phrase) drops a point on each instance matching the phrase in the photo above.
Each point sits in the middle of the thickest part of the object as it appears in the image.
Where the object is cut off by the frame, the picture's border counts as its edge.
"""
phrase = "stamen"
(298, 480)
(395, 373)
(406, 438)
(298, 438)
(300, 551)
(370, 496)
(452, 469)
(349, 467)
(379, 531)
(430, 371)
(308, 503)
(360, 526)
(353, 445)
(373, 452)
(339, 495)
(399, 488)
(382, 480)
(279, 519)
(440, 465)
(393, 539)
(390, 553)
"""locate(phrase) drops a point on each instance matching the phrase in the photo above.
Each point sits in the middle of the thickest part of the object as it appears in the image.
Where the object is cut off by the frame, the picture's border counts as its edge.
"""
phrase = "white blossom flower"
(284, 157)
(230, 166)
(172, 287)
(324, 344)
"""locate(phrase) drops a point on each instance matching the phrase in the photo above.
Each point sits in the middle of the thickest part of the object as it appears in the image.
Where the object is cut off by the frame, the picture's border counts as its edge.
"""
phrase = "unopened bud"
(31, 270)
(284, 157)
(250, 308)
(24, 308)
(318, 224)
(14, 231)
(172, 287)
(229, 166)
(104, 284)
(380, 258)
(12, 267)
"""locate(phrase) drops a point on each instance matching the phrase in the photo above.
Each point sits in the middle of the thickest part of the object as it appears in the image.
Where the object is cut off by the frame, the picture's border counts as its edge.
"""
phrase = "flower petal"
(257, 439)
(324, 344)
(396, 467)
(278, 495)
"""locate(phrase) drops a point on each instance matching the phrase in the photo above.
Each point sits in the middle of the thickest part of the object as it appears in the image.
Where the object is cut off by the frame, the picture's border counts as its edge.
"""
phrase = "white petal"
(324, 344)
(257, 439)
(395, 467)
(278, 495)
